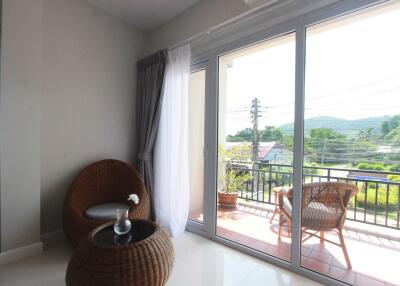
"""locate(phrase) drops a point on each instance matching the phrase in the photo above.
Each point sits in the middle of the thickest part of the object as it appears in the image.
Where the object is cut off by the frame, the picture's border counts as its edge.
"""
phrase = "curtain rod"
(242, 18)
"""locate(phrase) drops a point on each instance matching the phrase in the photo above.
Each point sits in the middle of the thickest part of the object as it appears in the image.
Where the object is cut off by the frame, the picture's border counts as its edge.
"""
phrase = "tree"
(325, 133)
(325, 145)
(241, 153)
(271, 133)
(244, 135)
(394, 135)
(389, 125)
(385, 128)
(328, 146)
(391, 133)
(367, 135)
(287, 141)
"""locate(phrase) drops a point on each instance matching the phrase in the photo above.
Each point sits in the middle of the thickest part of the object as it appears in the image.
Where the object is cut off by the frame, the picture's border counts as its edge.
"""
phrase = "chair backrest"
(324, 204)
(325, 199)
(104, 181)
(332, 194)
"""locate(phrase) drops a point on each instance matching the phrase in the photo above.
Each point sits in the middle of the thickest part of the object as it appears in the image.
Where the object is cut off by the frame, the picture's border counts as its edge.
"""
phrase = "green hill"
(350, 128)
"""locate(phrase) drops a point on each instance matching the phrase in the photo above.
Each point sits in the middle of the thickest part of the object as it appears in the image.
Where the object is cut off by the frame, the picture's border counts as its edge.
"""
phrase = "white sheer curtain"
(171, 154)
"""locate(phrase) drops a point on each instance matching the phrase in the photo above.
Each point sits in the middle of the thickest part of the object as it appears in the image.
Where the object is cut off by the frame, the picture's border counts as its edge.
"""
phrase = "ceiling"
(145, 14)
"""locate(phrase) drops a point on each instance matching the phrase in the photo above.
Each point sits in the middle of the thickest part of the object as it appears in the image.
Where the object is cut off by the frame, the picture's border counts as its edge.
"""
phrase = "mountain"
(350, 128)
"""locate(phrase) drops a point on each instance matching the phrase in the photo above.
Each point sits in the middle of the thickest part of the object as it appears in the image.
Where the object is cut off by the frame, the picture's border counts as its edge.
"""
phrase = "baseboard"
(20, 253)
(51, 237)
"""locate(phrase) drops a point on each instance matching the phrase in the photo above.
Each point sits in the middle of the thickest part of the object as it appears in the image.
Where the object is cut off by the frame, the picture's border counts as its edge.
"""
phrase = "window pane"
(352, 119)
(255, 140)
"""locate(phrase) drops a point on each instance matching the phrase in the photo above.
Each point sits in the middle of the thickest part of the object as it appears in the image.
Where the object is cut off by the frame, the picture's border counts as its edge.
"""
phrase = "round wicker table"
(143, 257)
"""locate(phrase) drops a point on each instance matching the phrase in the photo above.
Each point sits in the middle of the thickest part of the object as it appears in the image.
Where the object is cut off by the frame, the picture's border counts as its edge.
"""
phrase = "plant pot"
(227, 200)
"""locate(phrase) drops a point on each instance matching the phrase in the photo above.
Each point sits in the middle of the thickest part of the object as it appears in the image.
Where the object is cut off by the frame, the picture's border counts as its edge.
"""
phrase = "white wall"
(198, 18)
(67, 99)
(21, 73)
(197, 94)
(88, 101)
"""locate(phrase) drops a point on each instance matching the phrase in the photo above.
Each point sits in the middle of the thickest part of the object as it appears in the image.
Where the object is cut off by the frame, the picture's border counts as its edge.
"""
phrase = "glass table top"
(140, 230)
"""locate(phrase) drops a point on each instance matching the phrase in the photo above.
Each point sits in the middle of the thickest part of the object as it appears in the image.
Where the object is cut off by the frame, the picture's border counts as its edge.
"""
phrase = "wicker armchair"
(106, 181)
(324, 207)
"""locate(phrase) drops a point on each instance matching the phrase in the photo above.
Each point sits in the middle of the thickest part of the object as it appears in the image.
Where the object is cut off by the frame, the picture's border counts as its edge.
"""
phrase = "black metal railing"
(377, 202)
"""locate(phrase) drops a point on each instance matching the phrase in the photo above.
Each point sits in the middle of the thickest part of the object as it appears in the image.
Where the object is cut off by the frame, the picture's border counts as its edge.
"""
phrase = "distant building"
(275, 153)
(268, 152)
(385, 149)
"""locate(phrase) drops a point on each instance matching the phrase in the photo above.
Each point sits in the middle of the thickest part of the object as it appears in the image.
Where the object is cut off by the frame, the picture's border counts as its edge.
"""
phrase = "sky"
(352, 72)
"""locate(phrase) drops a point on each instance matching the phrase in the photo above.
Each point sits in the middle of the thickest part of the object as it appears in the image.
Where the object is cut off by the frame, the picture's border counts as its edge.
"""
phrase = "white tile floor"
(198, 262)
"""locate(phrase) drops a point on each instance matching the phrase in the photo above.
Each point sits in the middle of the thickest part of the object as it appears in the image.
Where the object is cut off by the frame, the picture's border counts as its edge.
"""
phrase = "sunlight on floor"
(251, 227)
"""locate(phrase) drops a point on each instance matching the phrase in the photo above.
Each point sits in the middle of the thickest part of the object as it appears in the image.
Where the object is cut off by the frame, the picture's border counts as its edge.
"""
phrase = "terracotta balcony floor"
(374, 259)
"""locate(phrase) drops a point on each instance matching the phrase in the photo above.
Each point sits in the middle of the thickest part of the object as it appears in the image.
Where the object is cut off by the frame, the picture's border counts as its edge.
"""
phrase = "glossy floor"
(374, 258)
(199, 262)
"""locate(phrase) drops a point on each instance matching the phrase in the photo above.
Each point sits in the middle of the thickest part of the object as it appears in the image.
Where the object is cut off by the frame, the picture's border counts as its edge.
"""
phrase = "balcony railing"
(377, 202)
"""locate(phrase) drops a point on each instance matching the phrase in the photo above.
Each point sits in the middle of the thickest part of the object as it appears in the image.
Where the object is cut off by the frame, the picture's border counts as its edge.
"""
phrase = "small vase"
(122, 225)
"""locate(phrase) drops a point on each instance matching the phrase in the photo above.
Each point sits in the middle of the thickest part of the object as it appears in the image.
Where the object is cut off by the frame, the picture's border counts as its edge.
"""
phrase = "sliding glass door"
(295, 146)
(255, 143)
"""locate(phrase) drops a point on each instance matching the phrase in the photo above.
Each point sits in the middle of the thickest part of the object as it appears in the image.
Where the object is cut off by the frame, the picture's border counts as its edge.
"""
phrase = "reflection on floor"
(374, 259)
(198, 262)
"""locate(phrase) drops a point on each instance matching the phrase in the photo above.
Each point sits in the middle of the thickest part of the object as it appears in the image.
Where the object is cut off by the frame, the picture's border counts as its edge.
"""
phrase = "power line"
(340, 91)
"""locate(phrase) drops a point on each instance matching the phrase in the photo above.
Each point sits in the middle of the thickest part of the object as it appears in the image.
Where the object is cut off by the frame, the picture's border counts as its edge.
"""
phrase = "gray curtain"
(150, 78)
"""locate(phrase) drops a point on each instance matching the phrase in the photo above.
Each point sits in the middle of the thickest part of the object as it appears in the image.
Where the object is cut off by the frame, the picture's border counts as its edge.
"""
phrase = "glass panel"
(196, 143)
(352, 132)
(255, 143)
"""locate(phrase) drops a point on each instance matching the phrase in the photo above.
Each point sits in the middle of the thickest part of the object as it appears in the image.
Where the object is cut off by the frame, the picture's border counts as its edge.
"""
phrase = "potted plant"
(233, 182)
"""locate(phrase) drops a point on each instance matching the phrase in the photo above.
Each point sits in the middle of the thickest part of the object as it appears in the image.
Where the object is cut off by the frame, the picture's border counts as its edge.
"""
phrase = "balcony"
(376, 203)
(372, 232)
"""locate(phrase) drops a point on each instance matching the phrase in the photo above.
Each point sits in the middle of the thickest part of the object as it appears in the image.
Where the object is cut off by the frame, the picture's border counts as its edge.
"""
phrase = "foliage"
(388, 125)
(394, 135)
(244, 135)
(381, 199)
(241, 153)
(394, 178)
(271, 133)
(368, 135)
(394, 168)
(311, 171)
(287, 141)
(371, 166)
(353, 127)
(324, 145)
(325, 133)
(235, 180)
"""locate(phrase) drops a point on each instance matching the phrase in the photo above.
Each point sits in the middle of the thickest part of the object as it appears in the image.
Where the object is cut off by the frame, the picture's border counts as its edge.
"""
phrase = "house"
(275, 153)
(115, 109)
(268, 152)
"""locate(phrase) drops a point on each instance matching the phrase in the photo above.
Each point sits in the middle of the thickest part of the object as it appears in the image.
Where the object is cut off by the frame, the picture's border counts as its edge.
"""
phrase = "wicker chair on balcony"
(324, 207)
(103, 182)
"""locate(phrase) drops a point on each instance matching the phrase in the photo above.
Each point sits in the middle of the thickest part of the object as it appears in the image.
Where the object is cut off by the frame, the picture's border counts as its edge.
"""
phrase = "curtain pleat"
(150, 79)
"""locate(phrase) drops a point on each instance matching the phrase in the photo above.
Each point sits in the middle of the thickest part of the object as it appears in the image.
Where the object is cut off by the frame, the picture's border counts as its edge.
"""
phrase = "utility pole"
(255, 112)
